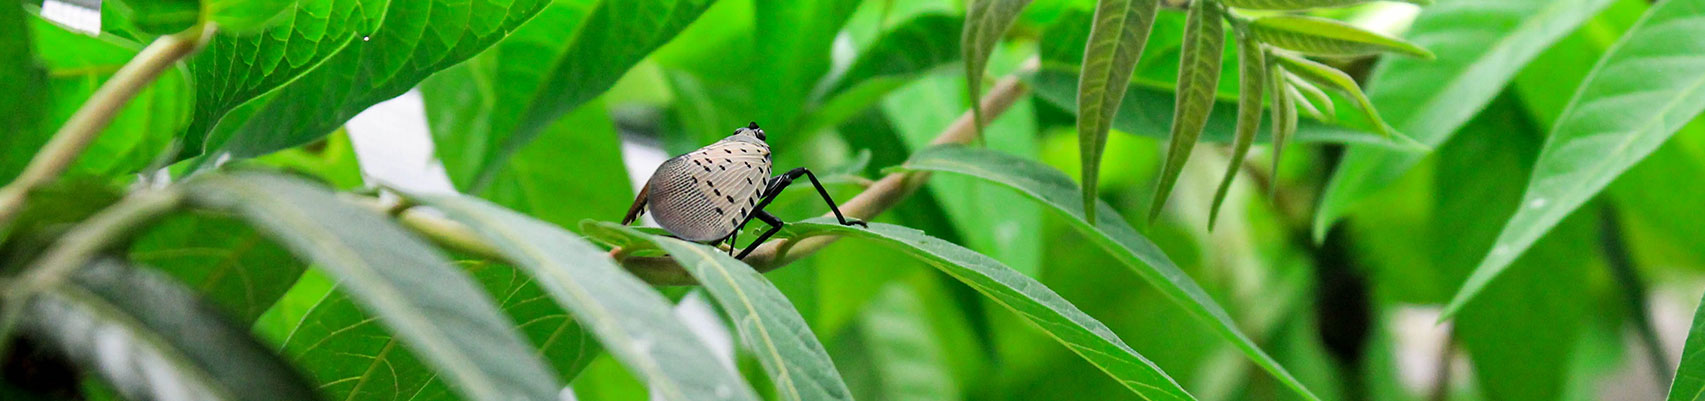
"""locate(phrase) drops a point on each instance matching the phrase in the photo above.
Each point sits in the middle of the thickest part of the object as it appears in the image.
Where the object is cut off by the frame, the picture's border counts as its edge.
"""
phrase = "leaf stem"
(82, 243)
(95, 114)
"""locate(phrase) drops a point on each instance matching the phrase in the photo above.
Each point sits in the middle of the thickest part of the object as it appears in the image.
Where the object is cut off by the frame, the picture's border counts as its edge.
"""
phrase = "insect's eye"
(760, 135)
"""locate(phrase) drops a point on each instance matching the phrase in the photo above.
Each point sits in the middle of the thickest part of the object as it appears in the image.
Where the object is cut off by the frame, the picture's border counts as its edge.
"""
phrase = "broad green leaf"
(1024, 296)
(246, 15)
(986, 21)
(1324, 37)
(1116, 41)
(151, 339)
(617, 35)
(899, 56)
(160, 17)
(542, 183)
(768, 324)
(1481, 45)
(407, 284)
(1336, 80)
(1252, 83)
(1304, 4)
(332, 160)
(791, 47)
(1525, 331)
(1110, 232)
(1198, 78)
(473, 107)
(1689, 382)
(631, 319)
(353, 358)
(374, 62)
(224, 260)
(894, 351)
(25, 81)
(77, 65)
(1639, 94)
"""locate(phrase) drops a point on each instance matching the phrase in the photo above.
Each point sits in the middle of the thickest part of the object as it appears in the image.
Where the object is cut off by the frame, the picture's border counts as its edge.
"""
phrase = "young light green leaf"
(227, 262)
(1322, 74)
(1640, 93)
(985, 22)
(151, 339)
(1302, 102)
(1110, 232)
(407, 284)
(1198, 79)
(1430, 100)
(1116, 40)
(1293, 5)
(1284, 118)
(768, 324)
(1324, 37)
(1252, 82)
(1312, 95)
(353, 359)
(633, 321)
(246, 16)
(1025, 296)
(160, 17)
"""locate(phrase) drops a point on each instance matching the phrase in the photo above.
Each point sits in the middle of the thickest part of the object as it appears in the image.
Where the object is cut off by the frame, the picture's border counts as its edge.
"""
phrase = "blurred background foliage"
(1346, 260)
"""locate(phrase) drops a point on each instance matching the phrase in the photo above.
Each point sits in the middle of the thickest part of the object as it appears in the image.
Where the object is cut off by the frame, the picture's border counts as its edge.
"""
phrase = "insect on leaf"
(1198, 79)
(1116, 40)
(985, 22)
(1252, 81)
(1324, 37)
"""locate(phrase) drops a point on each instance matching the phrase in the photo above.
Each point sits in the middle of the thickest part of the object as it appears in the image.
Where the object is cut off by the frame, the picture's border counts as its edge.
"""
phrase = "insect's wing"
(702, 196)
(638, 204)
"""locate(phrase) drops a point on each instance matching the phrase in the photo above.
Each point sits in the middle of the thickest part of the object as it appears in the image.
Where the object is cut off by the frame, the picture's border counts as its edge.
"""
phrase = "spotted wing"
(702, 196)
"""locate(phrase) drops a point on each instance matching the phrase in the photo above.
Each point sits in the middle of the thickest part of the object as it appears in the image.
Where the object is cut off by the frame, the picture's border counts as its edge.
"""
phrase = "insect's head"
(751, 129)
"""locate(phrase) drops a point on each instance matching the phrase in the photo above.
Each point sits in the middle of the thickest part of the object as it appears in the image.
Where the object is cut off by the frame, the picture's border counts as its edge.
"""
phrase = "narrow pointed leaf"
(1689, 384)
(1304, 4)
(985, 22)
(1284, 115)
(1321, 74)
(1252, 82)
(1110, 232)
(633, 321)
(1198, 79)
(404, 282)
(1302, 102)
(1430, 100)
(1324, 37)
(769, 325)
(1644, 89)
(1025, 296)
(151, 339)
(1116, 40)
(1313, 94)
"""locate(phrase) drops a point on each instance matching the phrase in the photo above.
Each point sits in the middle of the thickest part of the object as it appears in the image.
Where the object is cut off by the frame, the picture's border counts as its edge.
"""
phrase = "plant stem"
(76, 247)
(95, 114)
(1622, 269)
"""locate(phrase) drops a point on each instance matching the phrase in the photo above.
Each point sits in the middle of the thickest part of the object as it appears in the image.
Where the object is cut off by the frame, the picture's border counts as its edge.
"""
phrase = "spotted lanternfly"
(709, 194)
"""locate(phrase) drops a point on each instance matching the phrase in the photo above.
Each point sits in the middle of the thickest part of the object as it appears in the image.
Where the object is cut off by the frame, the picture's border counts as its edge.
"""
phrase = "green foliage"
(159, 234)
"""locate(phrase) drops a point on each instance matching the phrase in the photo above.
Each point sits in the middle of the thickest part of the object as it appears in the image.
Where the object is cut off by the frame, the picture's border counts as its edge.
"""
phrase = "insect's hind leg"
(775, 226)
(785, 179)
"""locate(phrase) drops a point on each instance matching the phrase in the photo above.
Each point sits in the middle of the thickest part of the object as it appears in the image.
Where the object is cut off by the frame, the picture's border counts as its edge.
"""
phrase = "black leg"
(733, 236)
(775, 226)
(782, 181)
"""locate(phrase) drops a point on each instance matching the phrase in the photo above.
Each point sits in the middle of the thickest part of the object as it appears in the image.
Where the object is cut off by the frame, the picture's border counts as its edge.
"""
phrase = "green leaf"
(899, 56)
(1689, 382)
(1324, 37)
(986, 21)
(24, 80)
(1198, 78)
(1430, 100)
(1639, 94)
(1252, 82)
(407, 284)
(373, 61)
(1024, 296)
(1284, 112)
(894, 351)
(1524, 335)
(630, 318)
(1292, 5)
(1334, 79)
(151, 339)
(246, 15)
(791, 48)
(615, 37)
(1110, 232)
(768, 324)
(1116, 40)
(160, 17)
(353, 358)
(1312, 95)
(225, 261)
